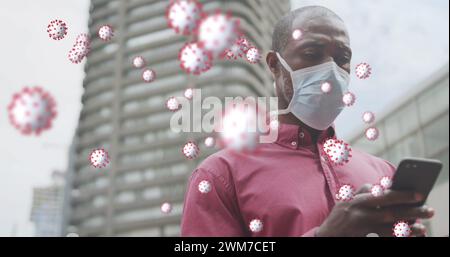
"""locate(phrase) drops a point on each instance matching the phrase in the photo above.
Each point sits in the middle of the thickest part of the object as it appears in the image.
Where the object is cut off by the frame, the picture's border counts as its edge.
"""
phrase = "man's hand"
(369, 214)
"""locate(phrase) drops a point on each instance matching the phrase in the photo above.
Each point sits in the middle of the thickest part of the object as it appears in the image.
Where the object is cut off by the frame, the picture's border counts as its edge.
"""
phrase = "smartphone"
(417, 175)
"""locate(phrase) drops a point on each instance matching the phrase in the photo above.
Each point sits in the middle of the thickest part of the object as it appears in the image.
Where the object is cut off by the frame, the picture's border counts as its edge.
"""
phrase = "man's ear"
(272, 63)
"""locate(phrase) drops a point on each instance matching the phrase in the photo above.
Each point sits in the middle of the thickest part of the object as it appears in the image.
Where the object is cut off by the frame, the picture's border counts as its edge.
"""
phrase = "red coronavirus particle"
(297, 34)
(363, 70)
(372, 133)
(218, 32)
(237, 49)
(368, 117)
(194, 58)
(57, 29)
(106, 33)
(210, 141)
(138, 62)
(256, 225)
(184, 15)
(148, 75)
(377, 190)
(204, 187)
(190, 150)
(80, 49)
(166, 208)
(326, 87)
(349, 99)
(99, 158)
(338, 152)
(32, 110)
(253, 55)
(401, 229)
(345, 193)
(172, 104)
(386, 182)
(189, 93)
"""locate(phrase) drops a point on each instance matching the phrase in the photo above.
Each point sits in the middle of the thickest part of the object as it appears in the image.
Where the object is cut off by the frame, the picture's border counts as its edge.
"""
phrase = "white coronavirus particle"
(184, 15)
(204, 187)
(218, 32)
(99, 158)
(326, 87)
(345, 193)
(377, 190)
(138, 62)
(401, 229)
(297, 34)
(194, 59)
(210, 141)
(349, 99)
(190, 150)
(57, 29)
(368, 117)
(237, 49)
(166, 208)
(189, 93)
(80, 49)
(148, 75)
(386, 182)
(106, 33)
(32, 110)
(338, 151)
(172, 104)
(256, 225)
(363, 70)
(253, 55)
(372, 133)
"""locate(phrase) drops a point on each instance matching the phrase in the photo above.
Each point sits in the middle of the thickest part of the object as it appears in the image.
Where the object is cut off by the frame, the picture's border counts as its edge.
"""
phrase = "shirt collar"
(295, 136)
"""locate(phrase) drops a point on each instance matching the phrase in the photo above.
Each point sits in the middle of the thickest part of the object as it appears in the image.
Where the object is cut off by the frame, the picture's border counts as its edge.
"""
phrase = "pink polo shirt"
(288, 185)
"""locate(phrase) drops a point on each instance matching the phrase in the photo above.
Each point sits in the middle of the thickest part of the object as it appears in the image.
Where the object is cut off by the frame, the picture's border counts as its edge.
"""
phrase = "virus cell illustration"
(401, 229)
(253, 55)
(184, 15)
(57, 29)
(372, 133)
(338, 152)
(148, 75)
(256, 225)
(349, 99)
(345, 193)
(368, 117)
(106, 33)
(237, 127)
(172, 104)
(297, 34)
(80, 49)
(274, 124)
(189, 93)
(166, 208)
(138, 62)
(218, 32)
(194, 59)
(363, 70)
(99, 158)
(210, 141)
(32, 110)
(204, 187)
(191, 150)
(326, 87)
(386, 182)
(237, 49)
(377, 190)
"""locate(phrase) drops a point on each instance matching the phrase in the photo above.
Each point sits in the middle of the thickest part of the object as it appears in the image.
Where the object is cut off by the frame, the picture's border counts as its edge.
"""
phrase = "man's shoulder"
(220, 162)
(374, 161)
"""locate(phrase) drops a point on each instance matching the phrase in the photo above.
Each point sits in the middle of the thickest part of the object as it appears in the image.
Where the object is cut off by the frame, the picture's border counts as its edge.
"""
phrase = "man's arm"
(213, 213)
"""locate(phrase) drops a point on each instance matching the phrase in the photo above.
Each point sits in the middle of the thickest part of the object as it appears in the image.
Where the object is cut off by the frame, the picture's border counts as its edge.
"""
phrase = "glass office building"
(418, 127)
(129, 119)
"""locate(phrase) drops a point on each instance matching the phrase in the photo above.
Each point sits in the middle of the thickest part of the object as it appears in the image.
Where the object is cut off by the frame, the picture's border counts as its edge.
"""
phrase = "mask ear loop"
(288, 68)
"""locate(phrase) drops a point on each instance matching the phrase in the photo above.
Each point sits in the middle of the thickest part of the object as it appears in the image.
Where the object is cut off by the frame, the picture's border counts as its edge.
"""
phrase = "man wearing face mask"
(289, 187)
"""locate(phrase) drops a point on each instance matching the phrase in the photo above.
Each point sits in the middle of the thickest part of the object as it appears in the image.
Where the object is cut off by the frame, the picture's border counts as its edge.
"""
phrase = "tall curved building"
(129, 119)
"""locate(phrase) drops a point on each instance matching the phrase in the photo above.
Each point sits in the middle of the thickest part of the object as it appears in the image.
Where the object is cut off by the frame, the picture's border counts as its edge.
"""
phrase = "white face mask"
(309, 103)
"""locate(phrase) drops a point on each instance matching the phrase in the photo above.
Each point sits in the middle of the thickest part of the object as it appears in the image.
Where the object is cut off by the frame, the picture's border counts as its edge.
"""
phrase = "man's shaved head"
(282, 31)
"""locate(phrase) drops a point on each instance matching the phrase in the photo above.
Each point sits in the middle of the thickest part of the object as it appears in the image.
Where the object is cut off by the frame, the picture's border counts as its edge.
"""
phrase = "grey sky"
(404, 41)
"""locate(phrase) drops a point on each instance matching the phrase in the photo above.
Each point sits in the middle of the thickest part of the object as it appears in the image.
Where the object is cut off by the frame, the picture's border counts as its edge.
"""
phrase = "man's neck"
(291, 119)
